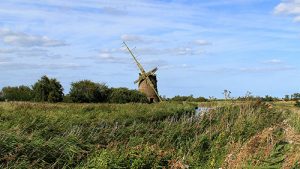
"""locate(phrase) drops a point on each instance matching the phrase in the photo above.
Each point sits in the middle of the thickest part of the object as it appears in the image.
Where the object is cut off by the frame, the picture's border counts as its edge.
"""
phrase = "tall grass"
(63, 135)
(294, 119)
(125, 136)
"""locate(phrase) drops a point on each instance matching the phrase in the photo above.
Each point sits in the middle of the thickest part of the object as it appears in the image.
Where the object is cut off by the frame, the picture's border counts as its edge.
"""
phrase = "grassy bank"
(139, 136)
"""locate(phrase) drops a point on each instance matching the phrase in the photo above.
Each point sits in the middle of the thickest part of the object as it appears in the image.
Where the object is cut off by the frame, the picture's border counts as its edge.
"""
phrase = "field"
(165, 135)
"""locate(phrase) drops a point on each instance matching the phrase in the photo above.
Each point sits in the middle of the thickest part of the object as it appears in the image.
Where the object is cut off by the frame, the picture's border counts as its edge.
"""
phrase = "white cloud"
(297, 19)
(179, 67)
(30, 66)
(6, 51)
(25, 40)
(128, 38)
(181, 51)
(140, 39)
(113, 11)
(175, 51)
(289, 7)
(106, 56)
(4, 59)
(243, 70)
(118, 54)
(201, 42)
(273, 61)
(266, 69)
(29, 52)
(154, 63)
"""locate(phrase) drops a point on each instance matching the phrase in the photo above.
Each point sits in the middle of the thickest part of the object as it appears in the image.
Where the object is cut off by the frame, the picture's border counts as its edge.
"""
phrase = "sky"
(200, 47)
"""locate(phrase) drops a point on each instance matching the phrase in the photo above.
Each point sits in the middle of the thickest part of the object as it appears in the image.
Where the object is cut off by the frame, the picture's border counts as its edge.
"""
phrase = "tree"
(189, 98)
(182, 98)
(86, 91)
(201, 99)
(48, 90)
(268, 98)
(124, 95)
(226, 94)
(295, 96)
(67, 99)
(1, 96)
(248, 94)
(297, 104)
(19, 93)
(287, 97)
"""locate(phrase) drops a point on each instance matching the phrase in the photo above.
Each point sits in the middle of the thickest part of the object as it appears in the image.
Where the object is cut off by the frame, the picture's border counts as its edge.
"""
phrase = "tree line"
(85, 91)
(189, 98)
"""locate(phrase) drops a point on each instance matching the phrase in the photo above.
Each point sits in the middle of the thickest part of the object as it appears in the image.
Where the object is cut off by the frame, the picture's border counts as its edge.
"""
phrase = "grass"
(63, 135)
(40, 135)
(294, 113)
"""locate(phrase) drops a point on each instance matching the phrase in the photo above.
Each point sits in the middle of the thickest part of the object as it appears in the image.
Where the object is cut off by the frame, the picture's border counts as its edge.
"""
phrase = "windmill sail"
(136, 61)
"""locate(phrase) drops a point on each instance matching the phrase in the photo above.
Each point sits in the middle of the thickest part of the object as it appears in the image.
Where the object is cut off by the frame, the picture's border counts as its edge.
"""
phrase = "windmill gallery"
(147, 81)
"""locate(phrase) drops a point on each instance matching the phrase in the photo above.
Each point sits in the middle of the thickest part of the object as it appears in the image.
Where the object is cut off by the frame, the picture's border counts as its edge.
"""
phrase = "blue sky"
(201, 47)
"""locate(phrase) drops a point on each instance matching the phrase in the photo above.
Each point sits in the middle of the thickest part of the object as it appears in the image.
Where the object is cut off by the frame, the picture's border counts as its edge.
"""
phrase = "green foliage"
(1, 96)
(294, 120)
(297, 104)
(20, 93)
(86, 91)
(48, 90)
(296, 165)
(124, 95)
(146, 156)
(277, 155)
(63, 135)
(268, 98)
(189, 98)
(67, 99)
(295, 96)
(286, 97)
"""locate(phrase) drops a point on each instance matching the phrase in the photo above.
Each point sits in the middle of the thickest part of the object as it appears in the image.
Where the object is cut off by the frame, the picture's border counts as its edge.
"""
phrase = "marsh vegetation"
(44, 135)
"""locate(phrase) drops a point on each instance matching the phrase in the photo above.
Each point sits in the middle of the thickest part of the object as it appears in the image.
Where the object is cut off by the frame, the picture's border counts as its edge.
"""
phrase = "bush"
(1, 96)
(189, 98)
(48, 90)
(67, 99)
(268, 98)
(295, 96)
(124, 95)
(297, 104)
(20, 93)
(86, 91)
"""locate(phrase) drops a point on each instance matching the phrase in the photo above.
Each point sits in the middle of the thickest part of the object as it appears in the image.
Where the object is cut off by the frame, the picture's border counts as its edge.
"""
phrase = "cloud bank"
(289, 7)
(20, 39)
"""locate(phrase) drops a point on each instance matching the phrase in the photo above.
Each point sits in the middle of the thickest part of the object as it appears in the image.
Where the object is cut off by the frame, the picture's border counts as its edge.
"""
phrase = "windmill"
(147, 81)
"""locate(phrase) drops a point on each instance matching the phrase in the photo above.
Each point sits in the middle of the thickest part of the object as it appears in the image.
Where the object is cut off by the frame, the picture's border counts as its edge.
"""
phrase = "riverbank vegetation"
(170, 135)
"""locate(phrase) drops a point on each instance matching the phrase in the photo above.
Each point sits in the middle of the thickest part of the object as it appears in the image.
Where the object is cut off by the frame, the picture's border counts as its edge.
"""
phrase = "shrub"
(297, 104)
(20, 93)
(124, 95)
(67, 99)
(86, 91)
(295, 96)
(1, 96)
(190, 98)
